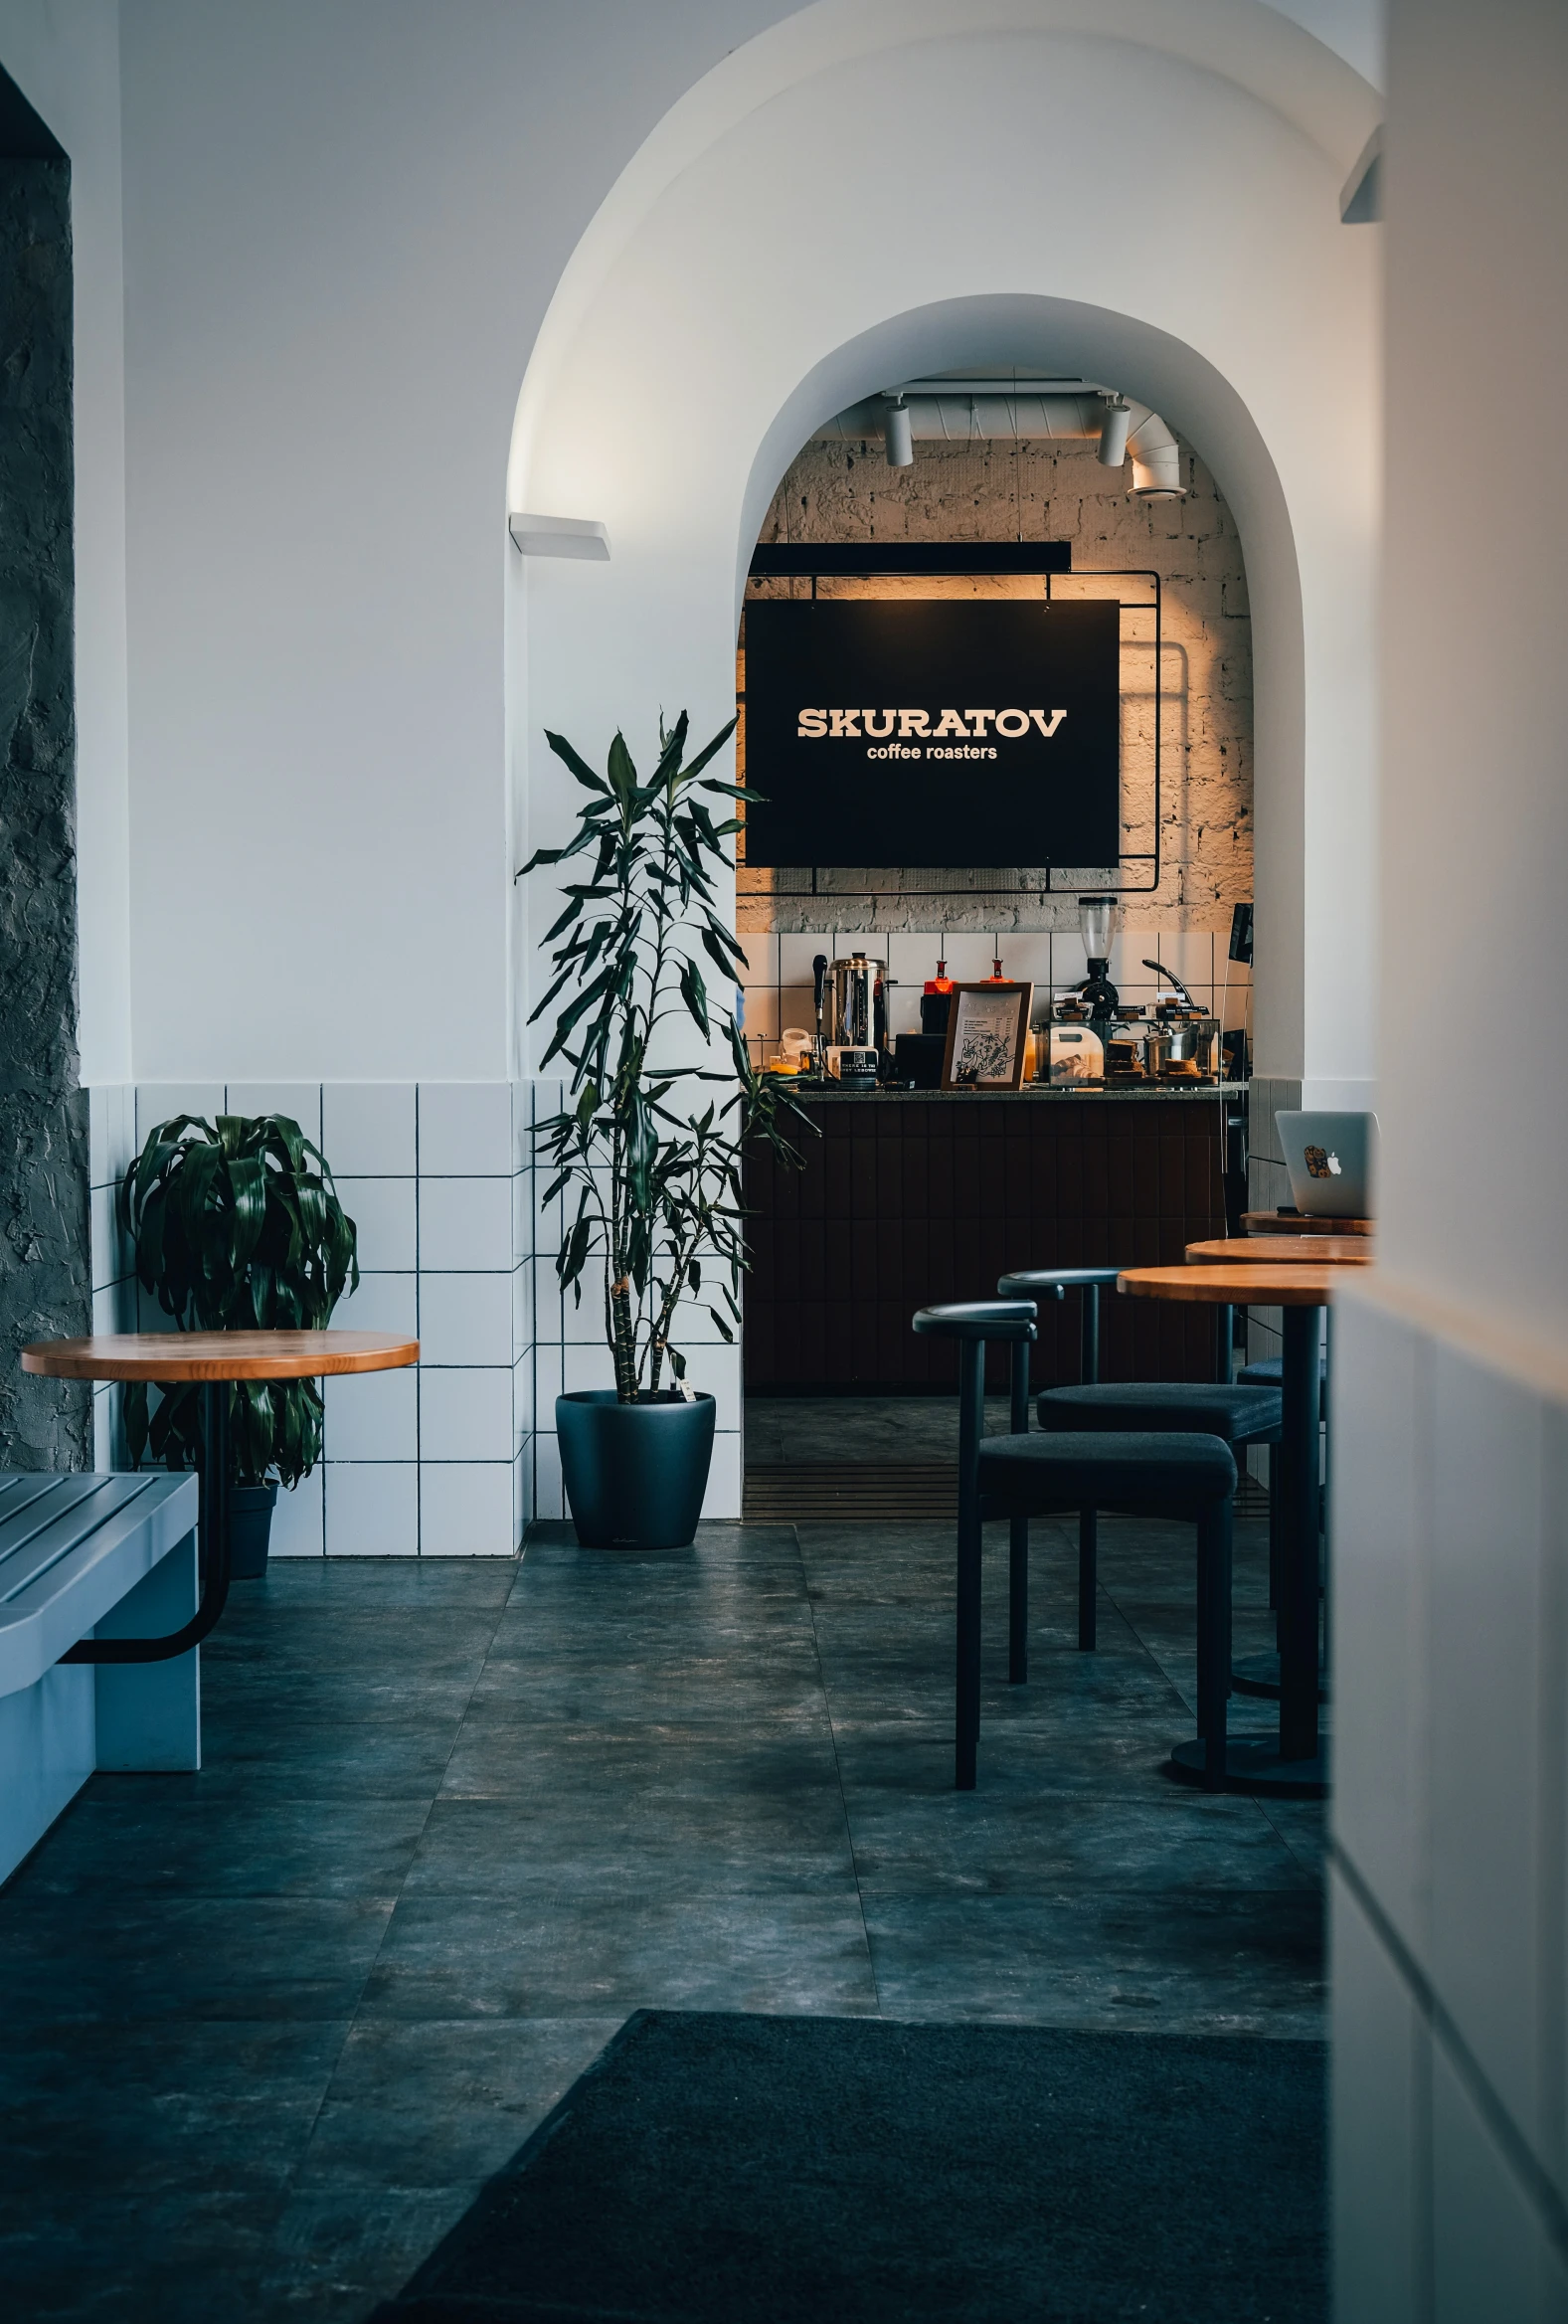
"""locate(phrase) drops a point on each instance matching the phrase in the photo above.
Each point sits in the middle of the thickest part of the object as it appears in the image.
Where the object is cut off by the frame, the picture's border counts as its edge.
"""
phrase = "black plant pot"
(250, 1527)
(635, 1474)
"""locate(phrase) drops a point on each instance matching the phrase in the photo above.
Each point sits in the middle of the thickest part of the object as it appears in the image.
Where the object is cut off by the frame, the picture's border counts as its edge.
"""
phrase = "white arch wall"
(871, 190)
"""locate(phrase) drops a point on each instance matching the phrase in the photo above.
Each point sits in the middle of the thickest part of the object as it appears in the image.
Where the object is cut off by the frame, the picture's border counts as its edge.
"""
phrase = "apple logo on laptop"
(1321, 1163)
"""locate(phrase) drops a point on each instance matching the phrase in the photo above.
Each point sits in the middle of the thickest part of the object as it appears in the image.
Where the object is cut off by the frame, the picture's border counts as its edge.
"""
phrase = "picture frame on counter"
(987, 1037)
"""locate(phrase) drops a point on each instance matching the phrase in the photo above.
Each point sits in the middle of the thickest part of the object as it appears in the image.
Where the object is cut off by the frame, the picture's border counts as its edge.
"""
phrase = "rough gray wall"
(44, 1250)
(999, 492)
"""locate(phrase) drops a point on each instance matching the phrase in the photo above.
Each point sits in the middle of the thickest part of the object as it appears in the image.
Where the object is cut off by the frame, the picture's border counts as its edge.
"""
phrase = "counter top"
(1137, 1093)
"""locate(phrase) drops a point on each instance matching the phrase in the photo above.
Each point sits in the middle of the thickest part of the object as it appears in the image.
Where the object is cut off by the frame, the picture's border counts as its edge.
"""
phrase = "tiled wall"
(437, 1176)
(1448, 1895)
(445, 1461)
(778, 976)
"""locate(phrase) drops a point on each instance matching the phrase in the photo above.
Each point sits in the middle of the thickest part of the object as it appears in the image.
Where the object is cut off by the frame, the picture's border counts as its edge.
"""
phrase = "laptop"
(1330, 1157)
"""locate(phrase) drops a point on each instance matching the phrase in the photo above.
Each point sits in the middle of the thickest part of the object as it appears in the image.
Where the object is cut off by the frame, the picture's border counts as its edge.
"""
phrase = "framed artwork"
(988, 1030)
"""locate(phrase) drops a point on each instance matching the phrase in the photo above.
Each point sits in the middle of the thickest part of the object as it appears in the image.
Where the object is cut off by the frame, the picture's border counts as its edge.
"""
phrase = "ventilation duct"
(980, 417)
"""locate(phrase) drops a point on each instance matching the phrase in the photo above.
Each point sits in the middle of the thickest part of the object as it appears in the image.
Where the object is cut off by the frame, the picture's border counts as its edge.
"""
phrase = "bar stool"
(1035, 1283)
(1181, 1475)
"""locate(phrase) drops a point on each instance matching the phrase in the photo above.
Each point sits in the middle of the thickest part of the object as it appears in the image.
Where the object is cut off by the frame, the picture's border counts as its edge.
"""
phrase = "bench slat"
(54, 1522)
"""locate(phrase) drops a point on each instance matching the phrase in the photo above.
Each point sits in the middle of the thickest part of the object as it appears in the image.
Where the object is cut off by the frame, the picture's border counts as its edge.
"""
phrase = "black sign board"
(932, 734)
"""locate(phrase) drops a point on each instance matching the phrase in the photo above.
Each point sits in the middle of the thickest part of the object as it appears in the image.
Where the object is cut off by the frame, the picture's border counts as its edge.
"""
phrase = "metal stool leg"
(1018, 1535)
(971, 1424)
(1088, 1518)
(1214, 1638)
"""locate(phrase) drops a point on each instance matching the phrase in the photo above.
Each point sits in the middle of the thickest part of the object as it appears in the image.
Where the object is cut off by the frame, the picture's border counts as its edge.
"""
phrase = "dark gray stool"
(1040, 1283)
(1240, 1416)
(1168, 1474)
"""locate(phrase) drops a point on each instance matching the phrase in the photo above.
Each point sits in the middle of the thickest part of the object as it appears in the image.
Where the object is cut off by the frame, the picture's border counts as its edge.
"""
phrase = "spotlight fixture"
(1112, 433)
(896, 434)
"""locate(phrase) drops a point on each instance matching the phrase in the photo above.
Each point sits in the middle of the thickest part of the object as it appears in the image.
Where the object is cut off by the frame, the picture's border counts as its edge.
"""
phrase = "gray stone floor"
(269, 2028)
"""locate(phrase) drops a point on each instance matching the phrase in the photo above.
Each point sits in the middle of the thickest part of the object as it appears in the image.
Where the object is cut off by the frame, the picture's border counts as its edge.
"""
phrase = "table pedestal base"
(1258, 1674)
(1255, 1765)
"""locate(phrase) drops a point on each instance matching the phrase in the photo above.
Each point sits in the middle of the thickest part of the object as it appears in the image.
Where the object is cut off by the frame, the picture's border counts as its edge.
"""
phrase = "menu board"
(932, 734)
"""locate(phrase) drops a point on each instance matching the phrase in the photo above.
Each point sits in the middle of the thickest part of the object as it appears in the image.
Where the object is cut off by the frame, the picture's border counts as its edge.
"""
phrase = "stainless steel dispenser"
(852, 1001)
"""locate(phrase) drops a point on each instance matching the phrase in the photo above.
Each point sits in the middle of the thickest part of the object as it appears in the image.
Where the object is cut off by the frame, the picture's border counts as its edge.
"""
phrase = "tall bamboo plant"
(652, 1193)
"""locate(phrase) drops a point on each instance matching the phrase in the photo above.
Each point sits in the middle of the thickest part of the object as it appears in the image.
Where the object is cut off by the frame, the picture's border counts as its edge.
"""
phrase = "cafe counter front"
(908, 1198)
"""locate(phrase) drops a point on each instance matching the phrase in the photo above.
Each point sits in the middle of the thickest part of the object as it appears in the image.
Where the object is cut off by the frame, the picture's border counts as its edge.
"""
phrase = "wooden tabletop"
(1237, 1284)
(1268, 1222)
(1284, 1251)
(218, 1355)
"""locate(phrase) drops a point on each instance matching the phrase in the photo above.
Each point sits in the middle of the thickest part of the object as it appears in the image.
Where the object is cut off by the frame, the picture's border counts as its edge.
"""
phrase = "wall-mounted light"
(1112, 433)
(559, 536)
(896, 433)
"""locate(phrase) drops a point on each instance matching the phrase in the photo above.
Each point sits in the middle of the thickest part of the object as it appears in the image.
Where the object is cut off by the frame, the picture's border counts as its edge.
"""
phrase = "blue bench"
(98, 1557)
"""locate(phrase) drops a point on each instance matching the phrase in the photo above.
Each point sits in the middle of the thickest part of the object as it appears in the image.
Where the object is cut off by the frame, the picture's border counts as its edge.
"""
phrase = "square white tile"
(372, 1509)
(722, 1500)
(111, 1131)
(111, 1250)
(465, 1224)
(523, 1399)
(549, 1365)
(546, 1300)
(522, 1310)
(385, 1211)
(523, 1488)
(467, 1510)
(588, 1364)
(383, 1303)
(762, 957)
(372, 1416)
(525, 1218)
(466, 1415)
(367, 1129)
(300, 1101)
(761, 1021)
(465, 1318)
(465, 1128)
(161, 1101)
(549, 1499)
(297, 1520)
(795, 955)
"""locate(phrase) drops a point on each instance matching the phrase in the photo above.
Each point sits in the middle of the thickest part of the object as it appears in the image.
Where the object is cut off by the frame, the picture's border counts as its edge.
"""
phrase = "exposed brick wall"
(44, 1264)
(1044, 491)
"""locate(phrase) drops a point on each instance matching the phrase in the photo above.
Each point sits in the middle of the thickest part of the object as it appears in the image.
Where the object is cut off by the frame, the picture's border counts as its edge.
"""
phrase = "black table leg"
(1088, 1518)
(971, 1424)
(1297, 1762)
(1018, 1535)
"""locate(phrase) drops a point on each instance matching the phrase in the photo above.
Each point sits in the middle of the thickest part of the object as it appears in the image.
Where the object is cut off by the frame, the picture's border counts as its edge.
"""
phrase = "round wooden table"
(1298, 1763)
(1283, 1251)
(213, 1360)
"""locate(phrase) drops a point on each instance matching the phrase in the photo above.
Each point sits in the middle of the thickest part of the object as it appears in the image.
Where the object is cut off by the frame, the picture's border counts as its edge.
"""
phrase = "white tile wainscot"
(439, 1179)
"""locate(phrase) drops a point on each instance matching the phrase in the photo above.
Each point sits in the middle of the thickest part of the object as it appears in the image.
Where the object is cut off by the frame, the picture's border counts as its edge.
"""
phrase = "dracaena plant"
(237, 1227)
(652, 1183)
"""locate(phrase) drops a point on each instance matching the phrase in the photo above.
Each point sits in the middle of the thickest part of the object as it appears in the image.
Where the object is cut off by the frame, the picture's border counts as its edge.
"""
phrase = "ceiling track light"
(896, 434)
(1112, 433)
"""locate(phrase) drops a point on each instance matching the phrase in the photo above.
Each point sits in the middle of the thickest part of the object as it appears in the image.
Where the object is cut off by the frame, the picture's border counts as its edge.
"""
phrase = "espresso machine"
(1182, 1042)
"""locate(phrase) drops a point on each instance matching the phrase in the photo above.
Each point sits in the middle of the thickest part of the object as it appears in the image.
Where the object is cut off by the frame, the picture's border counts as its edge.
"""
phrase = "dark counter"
(908, 1198)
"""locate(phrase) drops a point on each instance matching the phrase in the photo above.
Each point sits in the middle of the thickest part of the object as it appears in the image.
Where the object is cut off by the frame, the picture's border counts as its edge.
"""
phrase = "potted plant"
(237, 1227)
(651, 1184)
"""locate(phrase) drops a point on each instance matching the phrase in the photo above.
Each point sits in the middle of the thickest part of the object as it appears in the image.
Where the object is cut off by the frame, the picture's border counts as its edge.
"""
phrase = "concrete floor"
(269, 2028)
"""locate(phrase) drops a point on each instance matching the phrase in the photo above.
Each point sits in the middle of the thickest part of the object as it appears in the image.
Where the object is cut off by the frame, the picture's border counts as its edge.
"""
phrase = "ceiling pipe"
(1025, 417)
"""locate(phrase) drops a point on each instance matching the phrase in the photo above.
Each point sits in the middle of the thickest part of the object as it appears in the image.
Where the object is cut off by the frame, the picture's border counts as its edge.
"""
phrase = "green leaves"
(237, 1227)
(658, 1190)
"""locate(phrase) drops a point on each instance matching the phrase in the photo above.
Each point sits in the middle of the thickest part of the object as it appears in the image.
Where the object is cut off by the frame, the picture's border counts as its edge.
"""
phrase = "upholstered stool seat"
(1158, 1472)
(1241, 1415)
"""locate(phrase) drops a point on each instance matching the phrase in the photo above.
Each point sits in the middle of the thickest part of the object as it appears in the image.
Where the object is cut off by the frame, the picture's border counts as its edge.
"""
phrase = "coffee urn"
(852, 1001)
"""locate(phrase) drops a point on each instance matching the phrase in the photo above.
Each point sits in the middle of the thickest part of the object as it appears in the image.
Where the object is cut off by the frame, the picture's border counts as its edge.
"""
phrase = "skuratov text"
(964, 726)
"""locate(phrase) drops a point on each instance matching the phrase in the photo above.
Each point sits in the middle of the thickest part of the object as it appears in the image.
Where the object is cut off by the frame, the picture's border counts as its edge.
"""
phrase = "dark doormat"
(711, 2168)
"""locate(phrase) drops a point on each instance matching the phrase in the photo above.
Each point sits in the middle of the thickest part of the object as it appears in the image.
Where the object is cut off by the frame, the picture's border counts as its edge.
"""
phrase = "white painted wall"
(1451, 1523)
(65, 57)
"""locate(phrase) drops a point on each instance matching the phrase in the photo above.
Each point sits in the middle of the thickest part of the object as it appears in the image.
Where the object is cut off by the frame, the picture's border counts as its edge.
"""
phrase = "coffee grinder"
(1097, 993)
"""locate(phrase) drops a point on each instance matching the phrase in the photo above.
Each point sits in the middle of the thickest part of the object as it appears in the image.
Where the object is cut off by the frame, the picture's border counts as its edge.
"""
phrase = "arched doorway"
(857, 197)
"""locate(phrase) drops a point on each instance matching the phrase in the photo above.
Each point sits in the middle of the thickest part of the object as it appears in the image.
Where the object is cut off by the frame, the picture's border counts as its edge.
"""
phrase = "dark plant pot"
(249, 1525)
(635, 1474)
